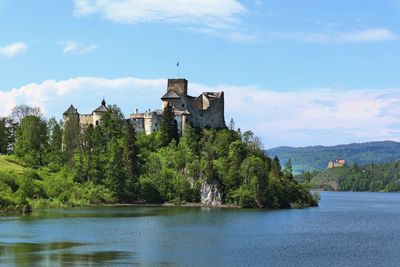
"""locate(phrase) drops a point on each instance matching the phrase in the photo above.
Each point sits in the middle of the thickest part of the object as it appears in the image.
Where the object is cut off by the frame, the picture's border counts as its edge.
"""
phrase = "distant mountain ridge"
(317, 157)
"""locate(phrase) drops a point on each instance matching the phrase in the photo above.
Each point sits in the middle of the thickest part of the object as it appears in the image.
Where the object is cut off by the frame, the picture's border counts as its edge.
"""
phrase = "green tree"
(254, 172)
(288, 170)
(4, 136)
(130, 158)
(168, 126)
(115, 178)
(7, 135)
(55, 144)
(87, 148)
(71, 138)
(31, 140)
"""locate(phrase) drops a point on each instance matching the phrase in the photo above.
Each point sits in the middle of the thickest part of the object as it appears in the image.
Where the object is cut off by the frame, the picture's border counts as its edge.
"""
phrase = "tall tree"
(87, 148)
(4, 136)
(71, 137)
(130, 158)
(55, 142)
(31, 140)
(115, 173)
(21, 111)
(7, 135)
(168, 126)
(112, 123)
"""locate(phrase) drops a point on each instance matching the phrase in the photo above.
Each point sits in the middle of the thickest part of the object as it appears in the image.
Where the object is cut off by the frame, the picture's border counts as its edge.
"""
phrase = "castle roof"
(170, 94)
(71, 110)
(102, 108)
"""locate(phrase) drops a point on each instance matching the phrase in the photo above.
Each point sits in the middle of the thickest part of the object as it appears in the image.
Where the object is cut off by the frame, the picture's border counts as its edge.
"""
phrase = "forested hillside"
(53, 164)
(370, 177)
(317, 157)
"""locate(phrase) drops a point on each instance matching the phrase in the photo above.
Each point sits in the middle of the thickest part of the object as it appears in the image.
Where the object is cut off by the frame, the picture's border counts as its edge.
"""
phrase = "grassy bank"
(23, 189)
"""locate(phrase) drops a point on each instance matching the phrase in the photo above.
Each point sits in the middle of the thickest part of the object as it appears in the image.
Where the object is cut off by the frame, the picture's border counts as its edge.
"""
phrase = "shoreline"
(168, 204)
(16, 212)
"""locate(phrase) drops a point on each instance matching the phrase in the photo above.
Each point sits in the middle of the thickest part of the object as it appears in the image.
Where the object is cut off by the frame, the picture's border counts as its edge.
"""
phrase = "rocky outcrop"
(210, 194)
(335, 185)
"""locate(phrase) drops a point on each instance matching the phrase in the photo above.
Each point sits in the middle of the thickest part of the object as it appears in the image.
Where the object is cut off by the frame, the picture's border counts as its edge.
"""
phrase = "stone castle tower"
(205, 110)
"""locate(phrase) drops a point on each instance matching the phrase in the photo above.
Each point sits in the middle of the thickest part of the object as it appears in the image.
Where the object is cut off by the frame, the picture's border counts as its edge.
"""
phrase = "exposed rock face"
(210, 194)
(335, 185)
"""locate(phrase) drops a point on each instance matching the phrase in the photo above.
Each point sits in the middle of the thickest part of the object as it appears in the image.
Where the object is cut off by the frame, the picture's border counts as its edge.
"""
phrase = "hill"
(317, 157)
(370, 177)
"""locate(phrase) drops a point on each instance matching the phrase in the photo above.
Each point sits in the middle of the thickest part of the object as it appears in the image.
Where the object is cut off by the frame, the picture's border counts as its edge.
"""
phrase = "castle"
(338, 163)
(86, 119)
(205, 110)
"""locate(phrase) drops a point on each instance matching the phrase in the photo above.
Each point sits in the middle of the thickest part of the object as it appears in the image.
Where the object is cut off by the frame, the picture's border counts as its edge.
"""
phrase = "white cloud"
(72, 47)
(55, 96)
(13, 49)
(215, 14)
(301, 117)
(369, 35)
(239, 37)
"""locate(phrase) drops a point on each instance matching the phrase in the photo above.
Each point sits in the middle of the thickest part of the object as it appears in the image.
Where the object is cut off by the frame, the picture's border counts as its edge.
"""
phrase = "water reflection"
(57, 253)
(106, 212)
(347, 229)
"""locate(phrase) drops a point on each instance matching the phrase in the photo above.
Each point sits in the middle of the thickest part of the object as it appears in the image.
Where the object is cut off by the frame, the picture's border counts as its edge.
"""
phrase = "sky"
(296, 73)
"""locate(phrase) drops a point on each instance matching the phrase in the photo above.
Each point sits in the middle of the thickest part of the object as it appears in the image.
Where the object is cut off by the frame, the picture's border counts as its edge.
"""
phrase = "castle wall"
(212, 116)
(72, 116)
(178, 119)
(85, 119)
(177, 103)
(151, 122)
(138, 124)
(96, 118)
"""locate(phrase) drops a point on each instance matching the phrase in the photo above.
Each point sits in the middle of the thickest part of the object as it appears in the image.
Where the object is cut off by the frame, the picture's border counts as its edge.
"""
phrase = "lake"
(347, 229)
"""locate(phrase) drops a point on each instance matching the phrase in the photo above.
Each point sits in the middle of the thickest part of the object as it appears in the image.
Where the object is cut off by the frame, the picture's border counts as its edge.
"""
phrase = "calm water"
(348, 229)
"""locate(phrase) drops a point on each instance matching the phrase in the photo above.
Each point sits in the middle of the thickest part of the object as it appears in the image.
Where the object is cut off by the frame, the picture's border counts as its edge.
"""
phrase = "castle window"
(97, 123)
(156, 124)
(183, 105)
(201, 114)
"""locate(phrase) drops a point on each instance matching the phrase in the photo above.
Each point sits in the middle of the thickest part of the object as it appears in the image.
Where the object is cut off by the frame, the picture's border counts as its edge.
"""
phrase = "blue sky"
(305, 72)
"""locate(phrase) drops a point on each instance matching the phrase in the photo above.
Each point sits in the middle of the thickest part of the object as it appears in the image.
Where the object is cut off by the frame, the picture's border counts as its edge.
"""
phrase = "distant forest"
(317, 157)
(371, 177)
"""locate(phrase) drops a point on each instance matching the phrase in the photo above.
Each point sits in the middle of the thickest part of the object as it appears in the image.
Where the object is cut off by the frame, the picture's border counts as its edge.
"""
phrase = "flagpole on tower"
(177, 66)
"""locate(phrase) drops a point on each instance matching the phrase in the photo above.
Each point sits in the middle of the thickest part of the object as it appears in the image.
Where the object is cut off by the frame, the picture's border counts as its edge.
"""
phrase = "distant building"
(205, 110)
(337, 163)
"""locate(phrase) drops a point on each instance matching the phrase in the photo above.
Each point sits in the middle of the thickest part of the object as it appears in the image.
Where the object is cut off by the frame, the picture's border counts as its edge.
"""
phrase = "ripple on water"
(28, 254)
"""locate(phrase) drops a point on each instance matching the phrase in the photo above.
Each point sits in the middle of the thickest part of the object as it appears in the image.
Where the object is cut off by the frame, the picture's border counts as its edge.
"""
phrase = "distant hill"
(370, 177)
(317, 157)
